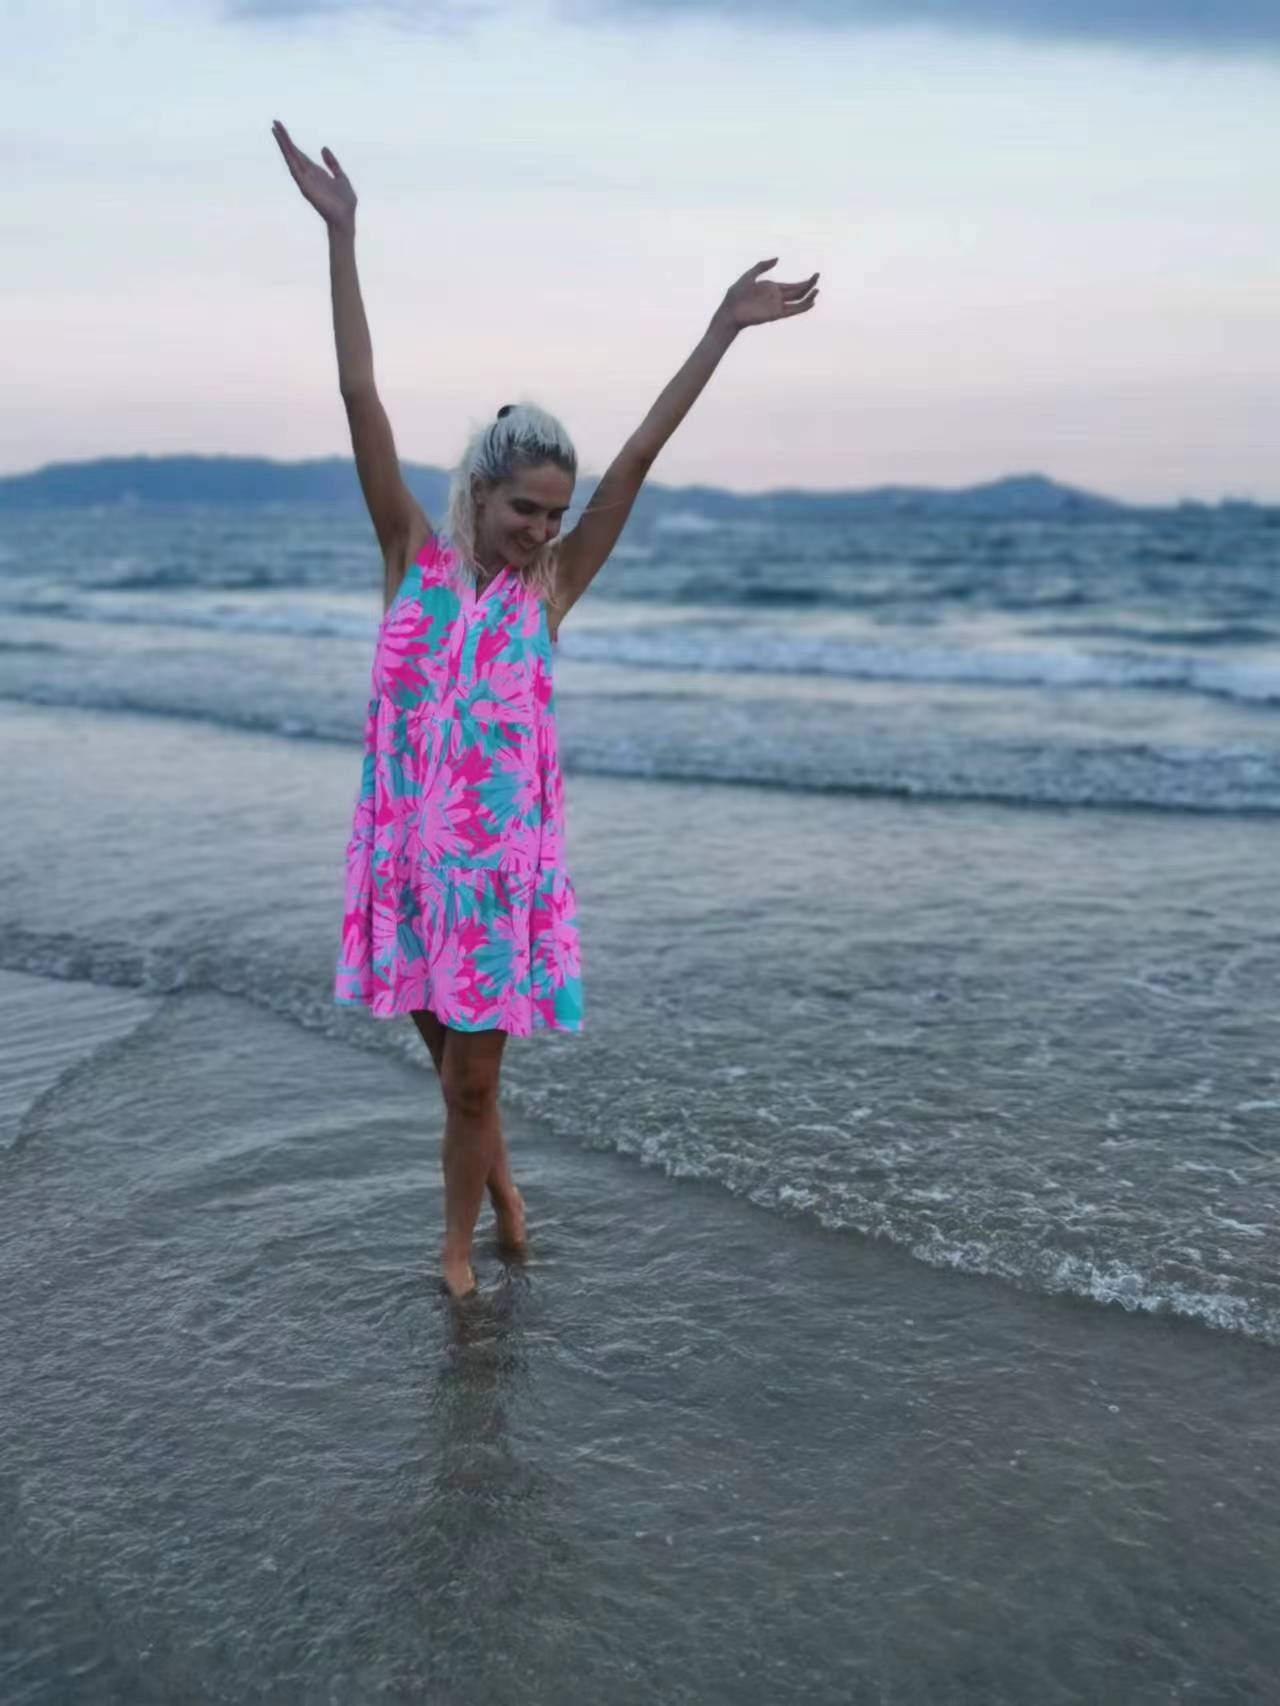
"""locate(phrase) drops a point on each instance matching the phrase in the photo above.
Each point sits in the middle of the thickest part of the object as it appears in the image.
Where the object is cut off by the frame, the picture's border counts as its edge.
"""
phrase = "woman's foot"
(508, 1208)
(457, 1278)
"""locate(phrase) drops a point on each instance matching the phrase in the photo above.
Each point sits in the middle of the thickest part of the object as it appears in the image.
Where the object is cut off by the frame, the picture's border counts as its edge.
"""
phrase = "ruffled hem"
(454, 1024)
(483, 947)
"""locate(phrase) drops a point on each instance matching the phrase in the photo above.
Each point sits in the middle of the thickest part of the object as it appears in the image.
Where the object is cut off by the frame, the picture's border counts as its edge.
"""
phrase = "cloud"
(1214, 24)
(433, 15)
(1221, 25)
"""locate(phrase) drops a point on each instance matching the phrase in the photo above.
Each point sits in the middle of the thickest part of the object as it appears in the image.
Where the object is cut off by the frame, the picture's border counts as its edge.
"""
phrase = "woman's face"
(517, 517)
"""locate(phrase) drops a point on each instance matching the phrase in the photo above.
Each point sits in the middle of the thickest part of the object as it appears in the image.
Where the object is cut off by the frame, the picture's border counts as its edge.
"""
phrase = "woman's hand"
(330, 193)
(752, 300)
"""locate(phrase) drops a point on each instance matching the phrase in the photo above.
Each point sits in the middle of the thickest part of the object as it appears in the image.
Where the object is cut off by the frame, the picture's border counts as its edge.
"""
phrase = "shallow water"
(1036, 1043)
(714, 1441)
(690, 1451)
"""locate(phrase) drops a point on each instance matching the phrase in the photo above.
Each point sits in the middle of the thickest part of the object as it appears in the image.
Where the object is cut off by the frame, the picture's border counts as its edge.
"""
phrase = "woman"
(460, 908)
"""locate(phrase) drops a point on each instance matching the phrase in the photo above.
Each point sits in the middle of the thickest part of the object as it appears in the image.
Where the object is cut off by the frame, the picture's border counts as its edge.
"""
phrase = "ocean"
(902, 1317)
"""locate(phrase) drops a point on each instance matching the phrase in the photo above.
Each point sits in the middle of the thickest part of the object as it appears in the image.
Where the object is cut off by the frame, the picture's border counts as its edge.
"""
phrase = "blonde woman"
(460, 906)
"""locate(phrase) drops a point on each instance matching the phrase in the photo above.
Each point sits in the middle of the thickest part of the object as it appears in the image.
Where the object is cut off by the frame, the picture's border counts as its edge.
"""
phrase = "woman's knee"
(472, 1066)
(469, 1093)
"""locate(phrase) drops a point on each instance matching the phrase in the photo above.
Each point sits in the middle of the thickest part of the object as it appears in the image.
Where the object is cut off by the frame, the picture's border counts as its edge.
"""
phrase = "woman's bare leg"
(433, 1032)
(471, 1066)
(508, 1204)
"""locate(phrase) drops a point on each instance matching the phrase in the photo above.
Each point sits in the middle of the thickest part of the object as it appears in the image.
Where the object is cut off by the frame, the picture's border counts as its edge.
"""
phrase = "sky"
(1048, 232)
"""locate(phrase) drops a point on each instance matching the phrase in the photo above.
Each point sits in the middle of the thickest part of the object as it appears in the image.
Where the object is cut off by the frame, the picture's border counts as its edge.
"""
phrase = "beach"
(901, 1313)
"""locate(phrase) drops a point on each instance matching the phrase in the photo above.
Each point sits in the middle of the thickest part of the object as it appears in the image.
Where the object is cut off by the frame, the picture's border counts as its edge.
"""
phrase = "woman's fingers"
(799, 307)
(288, 147)
(795, 287)
(294, 157)
(755, 271)
(293, 154)
(295, 170)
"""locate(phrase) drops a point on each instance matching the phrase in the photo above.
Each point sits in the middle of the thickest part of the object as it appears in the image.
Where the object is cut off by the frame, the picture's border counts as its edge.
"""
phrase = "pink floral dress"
(458, 894)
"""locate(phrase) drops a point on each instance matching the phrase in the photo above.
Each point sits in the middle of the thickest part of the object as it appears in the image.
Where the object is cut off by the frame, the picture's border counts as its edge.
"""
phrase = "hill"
(332, 480)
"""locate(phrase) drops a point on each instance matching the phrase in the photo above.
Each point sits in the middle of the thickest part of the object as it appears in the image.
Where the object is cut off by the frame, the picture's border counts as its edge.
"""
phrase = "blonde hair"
(522, 436)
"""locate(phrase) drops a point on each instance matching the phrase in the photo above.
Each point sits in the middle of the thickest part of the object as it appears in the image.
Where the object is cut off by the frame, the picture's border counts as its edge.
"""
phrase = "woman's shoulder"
(433, 552)
(426, 542)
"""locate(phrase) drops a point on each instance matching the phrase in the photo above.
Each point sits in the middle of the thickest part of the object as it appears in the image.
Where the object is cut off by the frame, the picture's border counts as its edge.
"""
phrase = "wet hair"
(520, 436)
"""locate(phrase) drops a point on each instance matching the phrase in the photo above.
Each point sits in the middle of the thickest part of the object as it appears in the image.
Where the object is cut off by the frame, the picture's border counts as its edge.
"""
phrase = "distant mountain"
(1022, 496)
(332, 480)
(202, 480)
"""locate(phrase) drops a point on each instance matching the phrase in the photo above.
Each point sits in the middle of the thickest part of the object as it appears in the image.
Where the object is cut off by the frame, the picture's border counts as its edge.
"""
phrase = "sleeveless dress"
(458, 894)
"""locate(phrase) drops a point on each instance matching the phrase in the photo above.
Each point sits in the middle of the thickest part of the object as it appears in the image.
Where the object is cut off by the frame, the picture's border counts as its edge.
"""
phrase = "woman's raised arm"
(396, 513)
(750, 301)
